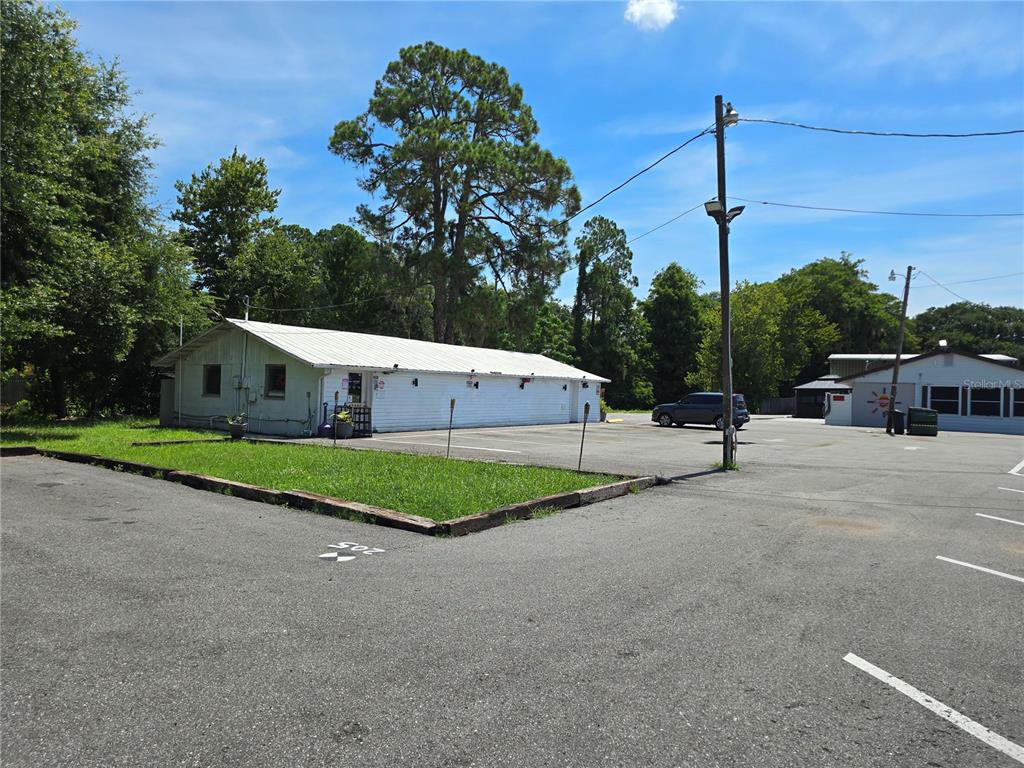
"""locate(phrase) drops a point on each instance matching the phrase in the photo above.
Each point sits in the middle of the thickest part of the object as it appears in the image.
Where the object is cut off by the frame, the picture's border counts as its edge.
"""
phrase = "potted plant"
(236, 426)
(343, 427)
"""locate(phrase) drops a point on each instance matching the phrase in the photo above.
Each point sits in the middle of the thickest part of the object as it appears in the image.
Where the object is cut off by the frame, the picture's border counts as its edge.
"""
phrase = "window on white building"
(211, 381)
(946, 400)
(985, 402)
(275, 381)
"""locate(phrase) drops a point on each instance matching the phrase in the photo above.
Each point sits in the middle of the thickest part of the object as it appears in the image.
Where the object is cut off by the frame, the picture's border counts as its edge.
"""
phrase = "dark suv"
(701, 408)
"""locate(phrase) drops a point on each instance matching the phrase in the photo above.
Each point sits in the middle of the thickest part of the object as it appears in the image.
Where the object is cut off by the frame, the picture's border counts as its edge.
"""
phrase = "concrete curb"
(354, 510)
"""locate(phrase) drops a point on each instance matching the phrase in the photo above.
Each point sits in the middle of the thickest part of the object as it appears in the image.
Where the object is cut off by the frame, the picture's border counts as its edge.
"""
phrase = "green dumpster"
(922, 421)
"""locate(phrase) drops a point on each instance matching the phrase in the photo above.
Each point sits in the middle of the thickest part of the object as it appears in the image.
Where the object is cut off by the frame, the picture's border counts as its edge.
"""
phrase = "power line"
(882, 133)
(882, 213)
(328, 306)
(977, 279)
(611, 192)
(674, 218)
(954, 293)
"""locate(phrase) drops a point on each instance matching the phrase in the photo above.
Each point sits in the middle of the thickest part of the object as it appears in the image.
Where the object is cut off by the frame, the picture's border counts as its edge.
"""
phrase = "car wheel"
(719, 423)
(739, 427)
(665, 420)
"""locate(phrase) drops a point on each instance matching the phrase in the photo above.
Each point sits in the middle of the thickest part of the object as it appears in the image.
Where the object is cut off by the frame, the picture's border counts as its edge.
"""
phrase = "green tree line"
(467, 242)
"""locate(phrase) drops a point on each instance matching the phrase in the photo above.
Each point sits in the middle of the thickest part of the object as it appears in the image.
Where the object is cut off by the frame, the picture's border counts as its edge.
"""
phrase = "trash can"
(898, 422)
(922, 421)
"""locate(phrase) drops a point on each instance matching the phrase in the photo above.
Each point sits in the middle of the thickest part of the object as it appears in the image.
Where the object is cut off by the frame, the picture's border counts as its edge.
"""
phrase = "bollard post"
(451, 416)
(334, 419)
(586, 413)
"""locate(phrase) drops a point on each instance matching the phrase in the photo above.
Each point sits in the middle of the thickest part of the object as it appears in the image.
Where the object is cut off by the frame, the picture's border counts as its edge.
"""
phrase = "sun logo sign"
(880, 404)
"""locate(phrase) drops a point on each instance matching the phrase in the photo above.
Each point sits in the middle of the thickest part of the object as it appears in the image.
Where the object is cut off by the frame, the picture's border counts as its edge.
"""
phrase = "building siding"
(396, 404)
(238, 394)
(917, 380)
(498, 401)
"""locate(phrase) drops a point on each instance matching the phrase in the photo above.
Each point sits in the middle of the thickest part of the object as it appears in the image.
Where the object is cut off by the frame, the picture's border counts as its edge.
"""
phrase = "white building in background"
(283, 378)
(972, 393)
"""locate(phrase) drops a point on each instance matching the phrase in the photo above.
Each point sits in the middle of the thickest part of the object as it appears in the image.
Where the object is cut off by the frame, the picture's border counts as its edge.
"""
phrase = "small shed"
(809, 398)
(287, 378)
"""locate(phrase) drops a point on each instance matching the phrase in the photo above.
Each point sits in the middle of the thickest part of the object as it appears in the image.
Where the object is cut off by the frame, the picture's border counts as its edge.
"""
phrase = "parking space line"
(442, 445)
(1001, 519)
(980, 568)
(964, 723)
(1016, 470)
(1015, 490)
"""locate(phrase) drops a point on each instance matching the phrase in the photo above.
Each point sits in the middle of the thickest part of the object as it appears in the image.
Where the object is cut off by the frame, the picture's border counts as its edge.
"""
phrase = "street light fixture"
(714, 210)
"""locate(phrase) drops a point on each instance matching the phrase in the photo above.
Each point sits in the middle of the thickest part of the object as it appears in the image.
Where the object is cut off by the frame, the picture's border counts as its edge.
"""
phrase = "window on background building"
(946, 400)
(355, 387)
(275, 381)
(985, 402)
(211, 381)
(1018, 401)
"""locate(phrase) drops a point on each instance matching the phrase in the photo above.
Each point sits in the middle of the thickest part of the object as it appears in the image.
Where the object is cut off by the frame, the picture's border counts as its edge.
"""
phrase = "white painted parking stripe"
(1015, 490)
(962, 722)
(1016, 470)
(442, 445)
(980, 568)
(1001, 519)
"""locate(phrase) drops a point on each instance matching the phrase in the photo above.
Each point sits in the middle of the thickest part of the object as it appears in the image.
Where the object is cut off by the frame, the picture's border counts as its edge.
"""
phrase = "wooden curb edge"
(353, 510)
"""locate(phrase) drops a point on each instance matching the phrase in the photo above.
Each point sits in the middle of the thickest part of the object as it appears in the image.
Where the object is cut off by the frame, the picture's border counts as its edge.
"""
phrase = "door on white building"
(574, 401)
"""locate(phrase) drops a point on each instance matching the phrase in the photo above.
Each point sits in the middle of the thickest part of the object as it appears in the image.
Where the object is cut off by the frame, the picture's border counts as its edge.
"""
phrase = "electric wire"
(976, 280)
(898, 134)
(880, 213)
(665, 224)
(667, 155)
(948, 290)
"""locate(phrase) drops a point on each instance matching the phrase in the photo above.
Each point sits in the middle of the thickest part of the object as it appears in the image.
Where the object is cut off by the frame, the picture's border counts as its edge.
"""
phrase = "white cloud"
(652, 14)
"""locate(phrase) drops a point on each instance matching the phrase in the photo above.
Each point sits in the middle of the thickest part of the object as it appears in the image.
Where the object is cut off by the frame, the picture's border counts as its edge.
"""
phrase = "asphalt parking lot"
(840, 601)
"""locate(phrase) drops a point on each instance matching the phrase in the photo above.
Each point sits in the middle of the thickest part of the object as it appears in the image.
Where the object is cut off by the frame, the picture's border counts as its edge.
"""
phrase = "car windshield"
(739, 401)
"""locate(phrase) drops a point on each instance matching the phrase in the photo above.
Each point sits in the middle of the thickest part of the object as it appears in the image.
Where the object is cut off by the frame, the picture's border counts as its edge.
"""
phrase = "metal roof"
(828, 383)
(871, 356)
(323, 348)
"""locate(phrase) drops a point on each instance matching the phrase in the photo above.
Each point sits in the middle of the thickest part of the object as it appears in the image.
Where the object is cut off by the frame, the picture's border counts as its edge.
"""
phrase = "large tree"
(610, 334)
(673, 310)
(79, 269)
(972, 327)
(867, 320)
(773, 336)
(223, 212)
(449, 147)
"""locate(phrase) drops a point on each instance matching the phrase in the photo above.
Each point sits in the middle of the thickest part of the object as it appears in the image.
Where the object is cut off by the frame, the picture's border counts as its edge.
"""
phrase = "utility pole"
(723, 262)
(899, 350)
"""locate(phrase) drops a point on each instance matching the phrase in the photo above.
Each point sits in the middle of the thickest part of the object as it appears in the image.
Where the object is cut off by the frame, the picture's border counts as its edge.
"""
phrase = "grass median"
(437, 488)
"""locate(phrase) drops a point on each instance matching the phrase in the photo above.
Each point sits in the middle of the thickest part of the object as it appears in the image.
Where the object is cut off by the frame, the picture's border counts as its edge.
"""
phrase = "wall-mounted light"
(585, 385)
(476, 385)
(415, 382)
(565, 387)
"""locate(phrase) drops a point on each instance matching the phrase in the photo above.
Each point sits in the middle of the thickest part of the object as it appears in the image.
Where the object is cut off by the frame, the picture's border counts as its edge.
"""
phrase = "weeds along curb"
(353, 510)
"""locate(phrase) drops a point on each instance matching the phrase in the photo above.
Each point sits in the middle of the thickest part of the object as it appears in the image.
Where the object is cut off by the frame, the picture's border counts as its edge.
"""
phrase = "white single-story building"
(286, 378)
(972, 393)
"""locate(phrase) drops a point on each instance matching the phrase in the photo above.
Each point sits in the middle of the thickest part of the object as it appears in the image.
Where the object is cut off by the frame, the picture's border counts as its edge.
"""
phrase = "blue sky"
(611, 94)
